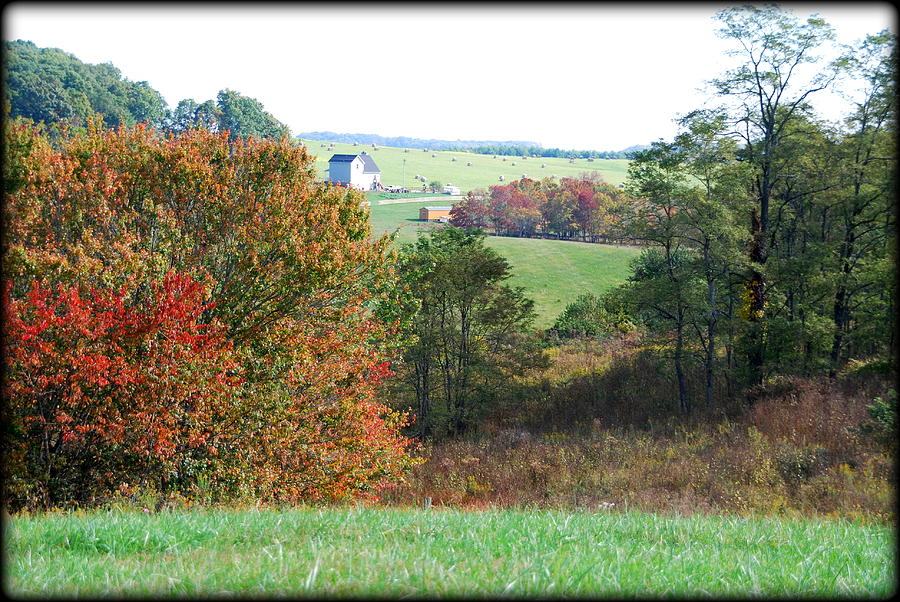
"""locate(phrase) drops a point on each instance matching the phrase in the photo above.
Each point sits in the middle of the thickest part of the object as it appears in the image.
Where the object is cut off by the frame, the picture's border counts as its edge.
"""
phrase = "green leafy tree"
(49, 85)
(767, 93)
(709, 222)
(243, 116)
(461, 321)
(866, 211)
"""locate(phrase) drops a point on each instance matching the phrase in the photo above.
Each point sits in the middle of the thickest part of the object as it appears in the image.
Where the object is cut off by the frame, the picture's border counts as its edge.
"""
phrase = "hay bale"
(524, 175)
(468, 164)
(504, 158)
(543, 165)
(452, 159)
(501, 178)
(513, 162)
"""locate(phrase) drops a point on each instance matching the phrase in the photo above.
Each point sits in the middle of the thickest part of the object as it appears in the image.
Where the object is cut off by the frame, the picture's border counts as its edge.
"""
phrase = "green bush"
(589, 316)
(883, 423)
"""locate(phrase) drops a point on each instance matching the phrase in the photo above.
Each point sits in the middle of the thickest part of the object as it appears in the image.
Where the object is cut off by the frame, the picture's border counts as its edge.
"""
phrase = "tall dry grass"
(594, 433)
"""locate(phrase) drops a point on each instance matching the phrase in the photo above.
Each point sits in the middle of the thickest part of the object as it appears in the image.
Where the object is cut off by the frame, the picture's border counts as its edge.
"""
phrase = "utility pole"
(404, 173)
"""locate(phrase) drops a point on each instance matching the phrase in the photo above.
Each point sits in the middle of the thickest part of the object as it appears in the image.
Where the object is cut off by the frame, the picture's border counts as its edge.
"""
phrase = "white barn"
(358, 171)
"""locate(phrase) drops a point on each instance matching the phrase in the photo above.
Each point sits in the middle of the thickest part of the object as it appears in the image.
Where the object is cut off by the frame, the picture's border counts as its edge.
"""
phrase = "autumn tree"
(288, 265)
(472, 212)
(105, 392)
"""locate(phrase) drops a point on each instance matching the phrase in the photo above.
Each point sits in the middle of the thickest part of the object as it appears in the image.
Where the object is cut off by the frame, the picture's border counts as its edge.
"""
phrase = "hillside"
(552, 272)
(406, 141)
(452, 167)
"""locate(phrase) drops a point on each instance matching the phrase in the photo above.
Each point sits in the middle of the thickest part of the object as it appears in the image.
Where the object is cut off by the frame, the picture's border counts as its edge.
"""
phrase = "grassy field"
(441, 553)
(484, 171)
(552, 272)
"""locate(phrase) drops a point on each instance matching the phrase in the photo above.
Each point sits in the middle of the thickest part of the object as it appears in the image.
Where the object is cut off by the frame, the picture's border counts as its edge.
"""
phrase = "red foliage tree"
(473, 212)
(103, 391)
(289, 268)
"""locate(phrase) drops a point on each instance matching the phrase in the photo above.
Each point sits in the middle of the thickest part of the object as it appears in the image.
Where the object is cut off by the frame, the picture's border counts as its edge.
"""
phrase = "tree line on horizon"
(481, 147)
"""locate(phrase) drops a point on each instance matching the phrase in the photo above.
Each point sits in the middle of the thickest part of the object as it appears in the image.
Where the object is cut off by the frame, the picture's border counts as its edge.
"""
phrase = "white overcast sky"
(584, 76)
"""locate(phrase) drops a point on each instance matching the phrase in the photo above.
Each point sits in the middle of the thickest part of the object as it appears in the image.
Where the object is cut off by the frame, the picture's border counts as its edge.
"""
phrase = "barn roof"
(369, 164)
(342, 158)
(439, 208)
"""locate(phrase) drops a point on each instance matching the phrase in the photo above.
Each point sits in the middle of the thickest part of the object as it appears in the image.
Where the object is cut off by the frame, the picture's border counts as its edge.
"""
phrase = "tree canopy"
(49, 85)
(54, 87)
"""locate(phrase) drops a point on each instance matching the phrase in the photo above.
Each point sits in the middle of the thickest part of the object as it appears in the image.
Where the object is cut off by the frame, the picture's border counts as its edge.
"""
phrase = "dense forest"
(49, 85)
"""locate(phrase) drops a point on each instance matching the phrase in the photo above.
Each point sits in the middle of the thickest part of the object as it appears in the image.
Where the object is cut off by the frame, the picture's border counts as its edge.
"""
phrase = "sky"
(599, 76)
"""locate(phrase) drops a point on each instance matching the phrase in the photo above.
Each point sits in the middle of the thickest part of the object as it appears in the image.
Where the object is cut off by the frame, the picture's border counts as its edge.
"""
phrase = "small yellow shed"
(434, 214)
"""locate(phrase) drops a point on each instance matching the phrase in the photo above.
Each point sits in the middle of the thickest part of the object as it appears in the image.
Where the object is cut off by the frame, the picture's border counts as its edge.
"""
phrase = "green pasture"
(552, 272)
(441, 553)
(484, 171)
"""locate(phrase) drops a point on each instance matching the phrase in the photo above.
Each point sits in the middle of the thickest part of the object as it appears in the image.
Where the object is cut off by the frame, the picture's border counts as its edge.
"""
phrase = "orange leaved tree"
(280, 267)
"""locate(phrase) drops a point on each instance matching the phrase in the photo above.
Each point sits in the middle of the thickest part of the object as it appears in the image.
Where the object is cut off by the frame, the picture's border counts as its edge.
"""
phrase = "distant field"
(483, 172)
(552, 272)
(442, 553)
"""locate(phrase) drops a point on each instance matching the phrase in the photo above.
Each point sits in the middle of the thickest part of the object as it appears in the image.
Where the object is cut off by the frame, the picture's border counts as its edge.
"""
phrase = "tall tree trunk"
(683, 402)
(841, 306)
(423, 395)
(710, 324)
(756, 289)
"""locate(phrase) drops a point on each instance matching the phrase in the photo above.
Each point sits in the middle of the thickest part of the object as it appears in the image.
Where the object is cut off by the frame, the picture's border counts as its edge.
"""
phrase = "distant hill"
(484, 147)
(407, 142)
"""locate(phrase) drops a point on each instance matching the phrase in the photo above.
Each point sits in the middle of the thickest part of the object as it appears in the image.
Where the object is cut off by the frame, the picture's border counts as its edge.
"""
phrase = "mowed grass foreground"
(397, 552)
